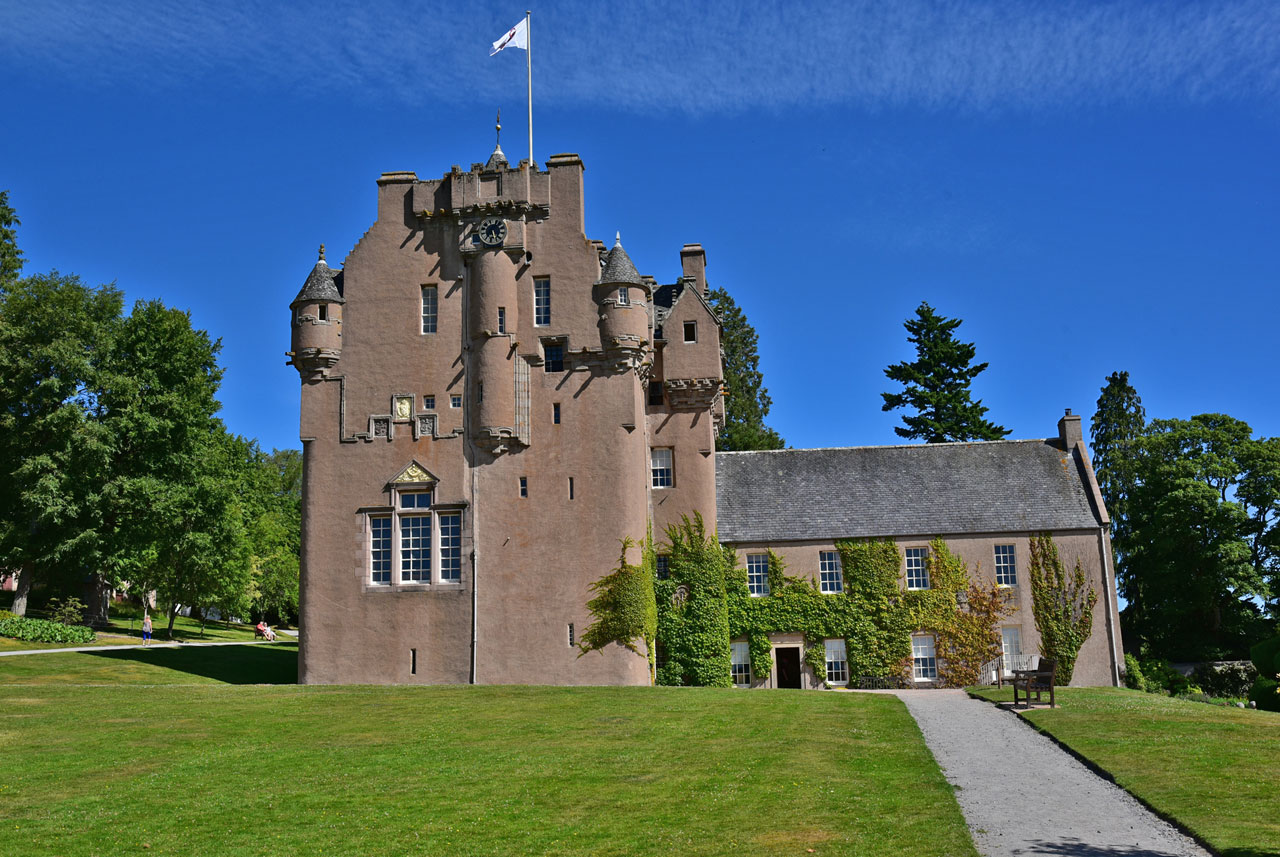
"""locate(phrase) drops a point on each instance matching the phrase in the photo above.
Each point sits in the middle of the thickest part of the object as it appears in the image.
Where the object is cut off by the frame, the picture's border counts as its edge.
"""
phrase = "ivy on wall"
(693, 617)
(966, 635)
(623, 609)
(1062, 604)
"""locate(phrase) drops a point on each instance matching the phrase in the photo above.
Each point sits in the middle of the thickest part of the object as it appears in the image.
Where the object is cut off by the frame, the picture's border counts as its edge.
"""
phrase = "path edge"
(1106, 775)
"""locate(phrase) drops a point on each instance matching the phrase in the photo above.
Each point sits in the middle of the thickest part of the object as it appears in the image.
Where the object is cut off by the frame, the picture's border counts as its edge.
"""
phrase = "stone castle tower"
(491, 401)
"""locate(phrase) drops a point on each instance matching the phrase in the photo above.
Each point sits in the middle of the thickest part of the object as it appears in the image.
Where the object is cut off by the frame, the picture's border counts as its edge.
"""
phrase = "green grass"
(124, 627)
(1216, 770)
(210, 769)
(9, 644)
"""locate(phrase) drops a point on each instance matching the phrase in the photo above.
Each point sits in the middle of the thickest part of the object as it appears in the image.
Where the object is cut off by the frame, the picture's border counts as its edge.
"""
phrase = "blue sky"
(1090, 186)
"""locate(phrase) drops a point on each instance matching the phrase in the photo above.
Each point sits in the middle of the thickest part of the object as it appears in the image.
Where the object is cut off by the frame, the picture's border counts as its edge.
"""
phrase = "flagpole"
(528, 176)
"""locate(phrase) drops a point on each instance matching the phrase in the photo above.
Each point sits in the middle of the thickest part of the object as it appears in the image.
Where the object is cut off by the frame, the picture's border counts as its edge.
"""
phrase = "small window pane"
(415, 549)
(917, 570)
(624, 297)
(740, 663)
(541, 302)
(923, 658)
(555, 413)
(664, 566)
(415, 500)
(830, 574)
(1006, 566)
(758, 573)
(450, 547)
(837, 663)
(428, 403)
(455, 401)
(553, 357)
(524, 486)
(660, 467)
(429, 308)
(380, 548)
(690, 331)
(655, 392)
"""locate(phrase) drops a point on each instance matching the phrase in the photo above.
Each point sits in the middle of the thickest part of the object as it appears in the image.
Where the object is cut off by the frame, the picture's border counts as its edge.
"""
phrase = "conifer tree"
(936, 384)
(747, 401)
(1118, 424)
(10, 255)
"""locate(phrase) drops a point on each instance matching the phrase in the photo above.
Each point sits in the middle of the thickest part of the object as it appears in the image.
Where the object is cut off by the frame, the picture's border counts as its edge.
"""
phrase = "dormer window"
(624, 296)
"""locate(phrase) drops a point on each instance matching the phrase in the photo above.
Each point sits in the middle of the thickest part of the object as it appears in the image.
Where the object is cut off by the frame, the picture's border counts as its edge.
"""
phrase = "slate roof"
(618, 268)
(881, 491)
(321, 285)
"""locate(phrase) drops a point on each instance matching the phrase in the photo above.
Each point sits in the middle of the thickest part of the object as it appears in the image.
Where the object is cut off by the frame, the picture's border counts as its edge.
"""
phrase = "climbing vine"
(623, 609)
(878, 638)
(965, 630)
(693, 619)
(1062, 604)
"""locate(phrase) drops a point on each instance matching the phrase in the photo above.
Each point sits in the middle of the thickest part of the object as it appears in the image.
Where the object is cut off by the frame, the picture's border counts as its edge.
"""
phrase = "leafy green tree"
(936, 384)
(274, 519)
(1118, 424)
(10, 255)
(1189, 574)
(1259, 493)
(54, 334)
(747, 401)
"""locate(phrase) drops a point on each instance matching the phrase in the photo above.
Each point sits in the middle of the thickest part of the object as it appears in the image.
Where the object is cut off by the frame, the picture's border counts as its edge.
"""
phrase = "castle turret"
(492, 322)
(623, 298)
(316, 324)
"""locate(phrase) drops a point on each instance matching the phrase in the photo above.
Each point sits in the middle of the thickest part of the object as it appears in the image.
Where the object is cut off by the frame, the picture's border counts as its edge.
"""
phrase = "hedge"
(44, 631)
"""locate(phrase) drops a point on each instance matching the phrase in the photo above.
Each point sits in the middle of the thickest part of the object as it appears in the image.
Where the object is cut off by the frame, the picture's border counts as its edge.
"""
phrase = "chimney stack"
(1069, 430)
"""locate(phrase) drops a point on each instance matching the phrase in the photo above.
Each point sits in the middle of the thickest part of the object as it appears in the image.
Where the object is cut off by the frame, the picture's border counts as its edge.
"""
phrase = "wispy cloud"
(722, 56)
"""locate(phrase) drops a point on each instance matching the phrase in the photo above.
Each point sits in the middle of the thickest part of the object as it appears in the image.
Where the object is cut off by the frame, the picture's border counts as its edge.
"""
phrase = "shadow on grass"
(251, 664)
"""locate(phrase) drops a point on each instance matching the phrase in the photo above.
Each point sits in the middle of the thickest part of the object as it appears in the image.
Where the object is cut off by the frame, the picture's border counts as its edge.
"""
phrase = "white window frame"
(1006, 565)
(662, 471)
(417, 533)
(413, 512)
(502, 319)
(757, 574)
(1012, 654)
(624, 296)
(430, 309)
(830, 573)
(429, 402)
(541, 301)
(381, 549)
(455, 400)
(924, 658)
(740, 664)
(837, 658)
(450, 538)
(919, 580)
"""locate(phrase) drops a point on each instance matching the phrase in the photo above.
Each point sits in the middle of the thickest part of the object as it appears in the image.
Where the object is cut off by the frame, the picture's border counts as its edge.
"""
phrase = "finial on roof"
(497, 126)
(497, 158)
(617, 239)
(321, 252)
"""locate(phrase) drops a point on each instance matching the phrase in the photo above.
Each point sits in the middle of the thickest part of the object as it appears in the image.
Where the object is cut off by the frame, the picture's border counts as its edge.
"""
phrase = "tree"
(1062, 603)
(937, 383)
(10, 255)
(1117, 426)
(274, 521)
(54, 335)
(746, 401)
(1189, 572)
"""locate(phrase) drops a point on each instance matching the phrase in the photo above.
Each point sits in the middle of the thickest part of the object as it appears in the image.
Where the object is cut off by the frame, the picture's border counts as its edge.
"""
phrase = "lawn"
(124, 627)
(145, 766)
(1214, 769)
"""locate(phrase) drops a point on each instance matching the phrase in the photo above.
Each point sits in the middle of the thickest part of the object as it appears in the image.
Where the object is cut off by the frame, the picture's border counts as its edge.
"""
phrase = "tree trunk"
(20, 595)
(173, 614)
(99, 602)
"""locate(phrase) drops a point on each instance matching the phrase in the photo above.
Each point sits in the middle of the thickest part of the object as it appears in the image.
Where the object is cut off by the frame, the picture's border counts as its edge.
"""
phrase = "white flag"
(516, 37)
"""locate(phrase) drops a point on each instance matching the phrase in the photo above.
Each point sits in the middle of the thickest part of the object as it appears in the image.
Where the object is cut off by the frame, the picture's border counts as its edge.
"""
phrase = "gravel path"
(1021, 794)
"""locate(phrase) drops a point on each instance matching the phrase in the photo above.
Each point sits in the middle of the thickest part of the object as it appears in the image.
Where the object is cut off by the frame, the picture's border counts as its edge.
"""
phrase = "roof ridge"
(889, 446)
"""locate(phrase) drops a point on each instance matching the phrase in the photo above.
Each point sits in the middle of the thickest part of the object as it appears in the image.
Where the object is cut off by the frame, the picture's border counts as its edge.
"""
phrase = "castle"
(491, 401)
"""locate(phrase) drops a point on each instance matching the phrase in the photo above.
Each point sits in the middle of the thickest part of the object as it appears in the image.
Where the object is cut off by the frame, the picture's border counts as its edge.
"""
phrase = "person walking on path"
(146, 629)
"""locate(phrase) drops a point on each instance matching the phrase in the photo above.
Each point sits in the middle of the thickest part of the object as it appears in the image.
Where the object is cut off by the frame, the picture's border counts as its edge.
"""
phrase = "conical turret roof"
(320, 285)
(618, 267)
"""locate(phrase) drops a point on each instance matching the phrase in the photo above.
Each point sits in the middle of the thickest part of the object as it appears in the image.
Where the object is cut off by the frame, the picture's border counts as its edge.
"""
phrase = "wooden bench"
(1037, 681)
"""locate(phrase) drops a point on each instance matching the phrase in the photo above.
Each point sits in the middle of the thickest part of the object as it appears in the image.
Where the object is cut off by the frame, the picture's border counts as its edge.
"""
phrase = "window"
(524, 486)
(837, 663)
(664, 566)
(323, 309)
(655, 392)
(740, 664)
(660, 467)
(924, 661)
(455, 401)
(1011, 648)
(502, 319)
(917, 569)
(624, 298)
(555, 413)
(553, 357)
(570, 487)
(571, 635)
(1006, 566)
(380, 548)
(450, 546)
(690, 331)
(428, 309)
(541, 302)
(415, 500)
(428, 403)
(758, 573)
(415, 548)
(830, 574)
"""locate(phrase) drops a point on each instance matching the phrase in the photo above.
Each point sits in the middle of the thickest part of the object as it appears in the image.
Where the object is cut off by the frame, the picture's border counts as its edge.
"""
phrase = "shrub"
(5, 614)
(1160, 677)
(1133, 673)
(44, 631)
(1266, 689)
(69, 612)
(1225, 680)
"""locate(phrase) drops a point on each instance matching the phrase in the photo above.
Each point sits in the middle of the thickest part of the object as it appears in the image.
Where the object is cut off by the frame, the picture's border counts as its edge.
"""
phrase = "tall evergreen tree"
(10, 255)
(747, 401)
(936, 384)
(1117, 426)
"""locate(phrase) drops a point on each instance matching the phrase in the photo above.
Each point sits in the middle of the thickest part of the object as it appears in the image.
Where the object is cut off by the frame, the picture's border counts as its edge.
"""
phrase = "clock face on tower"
(492, 231)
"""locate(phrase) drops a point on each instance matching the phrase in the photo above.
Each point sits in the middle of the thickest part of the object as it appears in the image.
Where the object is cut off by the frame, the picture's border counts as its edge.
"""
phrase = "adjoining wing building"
(491, 401)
